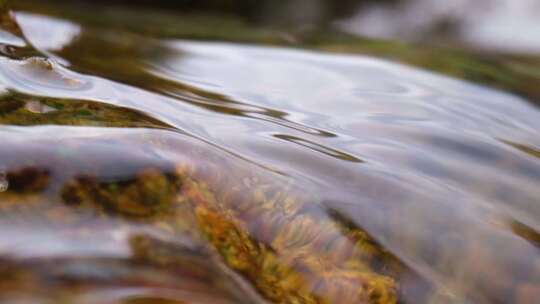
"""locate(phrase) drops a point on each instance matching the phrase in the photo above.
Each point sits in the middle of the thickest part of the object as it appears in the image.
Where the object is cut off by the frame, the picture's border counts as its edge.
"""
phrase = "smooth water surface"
(136, 169)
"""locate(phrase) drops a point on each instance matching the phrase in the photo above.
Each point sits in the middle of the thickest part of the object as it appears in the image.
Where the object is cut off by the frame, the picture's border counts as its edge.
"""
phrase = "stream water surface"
(138, 169)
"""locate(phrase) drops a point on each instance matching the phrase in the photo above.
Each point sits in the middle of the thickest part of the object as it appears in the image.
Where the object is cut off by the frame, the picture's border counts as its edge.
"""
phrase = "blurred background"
(497, 25)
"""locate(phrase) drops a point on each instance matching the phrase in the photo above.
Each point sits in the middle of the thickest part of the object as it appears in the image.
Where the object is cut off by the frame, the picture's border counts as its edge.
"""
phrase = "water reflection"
(59, 33)
(153, 170)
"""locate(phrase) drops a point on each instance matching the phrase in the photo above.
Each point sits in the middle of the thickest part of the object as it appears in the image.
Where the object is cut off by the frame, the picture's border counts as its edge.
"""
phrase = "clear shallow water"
(139, 170)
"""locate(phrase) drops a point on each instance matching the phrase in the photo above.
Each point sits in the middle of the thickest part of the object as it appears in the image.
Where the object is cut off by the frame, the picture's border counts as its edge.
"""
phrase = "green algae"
(149, 193)
(26, 110)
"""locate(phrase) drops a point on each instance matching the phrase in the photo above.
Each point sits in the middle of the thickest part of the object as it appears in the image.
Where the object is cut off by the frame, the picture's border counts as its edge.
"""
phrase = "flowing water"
(137, 169)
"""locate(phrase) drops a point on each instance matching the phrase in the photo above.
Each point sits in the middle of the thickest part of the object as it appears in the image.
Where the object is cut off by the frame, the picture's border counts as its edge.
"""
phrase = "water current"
(138, 169)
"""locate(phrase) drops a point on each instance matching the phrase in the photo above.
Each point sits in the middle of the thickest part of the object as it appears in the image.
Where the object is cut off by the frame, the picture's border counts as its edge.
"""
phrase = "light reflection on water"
(438, 176)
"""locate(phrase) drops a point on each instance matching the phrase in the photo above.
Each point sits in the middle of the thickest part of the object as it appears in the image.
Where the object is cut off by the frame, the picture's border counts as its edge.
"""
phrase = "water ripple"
(302, 155)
